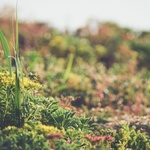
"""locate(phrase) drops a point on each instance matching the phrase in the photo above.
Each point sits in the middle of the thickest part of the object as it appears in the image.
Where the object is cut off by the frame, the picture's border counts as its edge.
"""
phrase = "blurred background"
(72, 14)
(97, 51)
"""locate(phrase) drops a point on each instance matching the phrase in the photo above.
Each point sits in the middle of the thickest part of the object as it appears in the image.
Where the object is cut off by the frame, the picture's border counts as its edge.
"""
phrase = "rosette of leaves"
(64, 119)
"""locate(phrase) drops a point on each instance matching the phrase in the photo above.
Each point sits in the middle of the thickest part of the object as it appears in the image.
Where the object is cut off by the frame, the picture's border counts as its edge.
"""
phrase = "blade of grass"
(69, 66)
(17, 73)
(6, 51)
(17, 46)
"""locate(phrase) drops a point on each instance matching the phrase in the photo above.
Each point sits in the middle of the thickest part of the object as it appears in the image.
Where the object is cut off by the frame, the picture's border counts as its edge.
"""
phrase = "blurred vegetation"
(93, 79)
(106, 65)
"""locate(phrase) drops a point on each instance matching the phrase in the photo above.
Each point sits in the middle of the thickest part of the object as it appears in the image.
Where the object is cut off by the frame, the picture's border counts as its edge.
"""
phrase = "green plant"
(16, 90)
(61, 118)
(21, 139)
(18, 71)
(6, 51)
(78, 144)
(128, 137)
(7, 100)
(64, 119)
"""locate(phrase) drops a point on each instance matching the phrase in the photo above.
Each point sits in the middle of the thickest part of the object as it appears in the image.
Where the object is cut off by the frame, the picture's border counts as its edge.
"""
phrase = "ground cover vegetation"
(86, 90)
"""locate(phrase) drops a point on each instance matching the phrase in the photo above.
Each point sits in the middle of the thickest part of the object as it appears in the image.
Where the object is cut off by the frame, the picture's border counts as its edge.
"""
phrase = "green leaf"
(69, 66)
(6, 51)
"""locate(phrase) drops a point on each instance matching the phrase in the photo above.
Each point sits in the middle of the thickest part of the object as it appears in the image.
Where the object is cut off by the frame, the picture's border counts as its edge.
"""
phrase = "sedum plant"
(129, 138)
(7, 99)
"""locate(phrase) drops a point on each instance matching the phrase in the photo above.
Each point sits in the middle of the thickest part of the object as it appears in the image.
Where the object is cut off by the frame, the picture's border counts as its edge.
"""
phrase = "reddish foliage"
(96, 139)
(54, 135)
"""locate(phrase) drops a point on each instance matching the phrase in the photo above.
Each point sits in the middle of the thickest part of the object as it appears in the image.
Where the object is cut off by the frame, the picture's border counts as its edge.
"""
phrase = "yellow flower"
(6, 80)
(29, 84)
(47, 129)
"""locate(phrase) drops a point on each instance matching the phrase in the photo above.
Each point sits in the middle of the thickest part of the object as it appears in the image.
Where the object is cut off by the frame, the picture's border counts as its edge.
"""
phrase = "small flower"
(6, 80)
(29, 84)
(44, 129)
